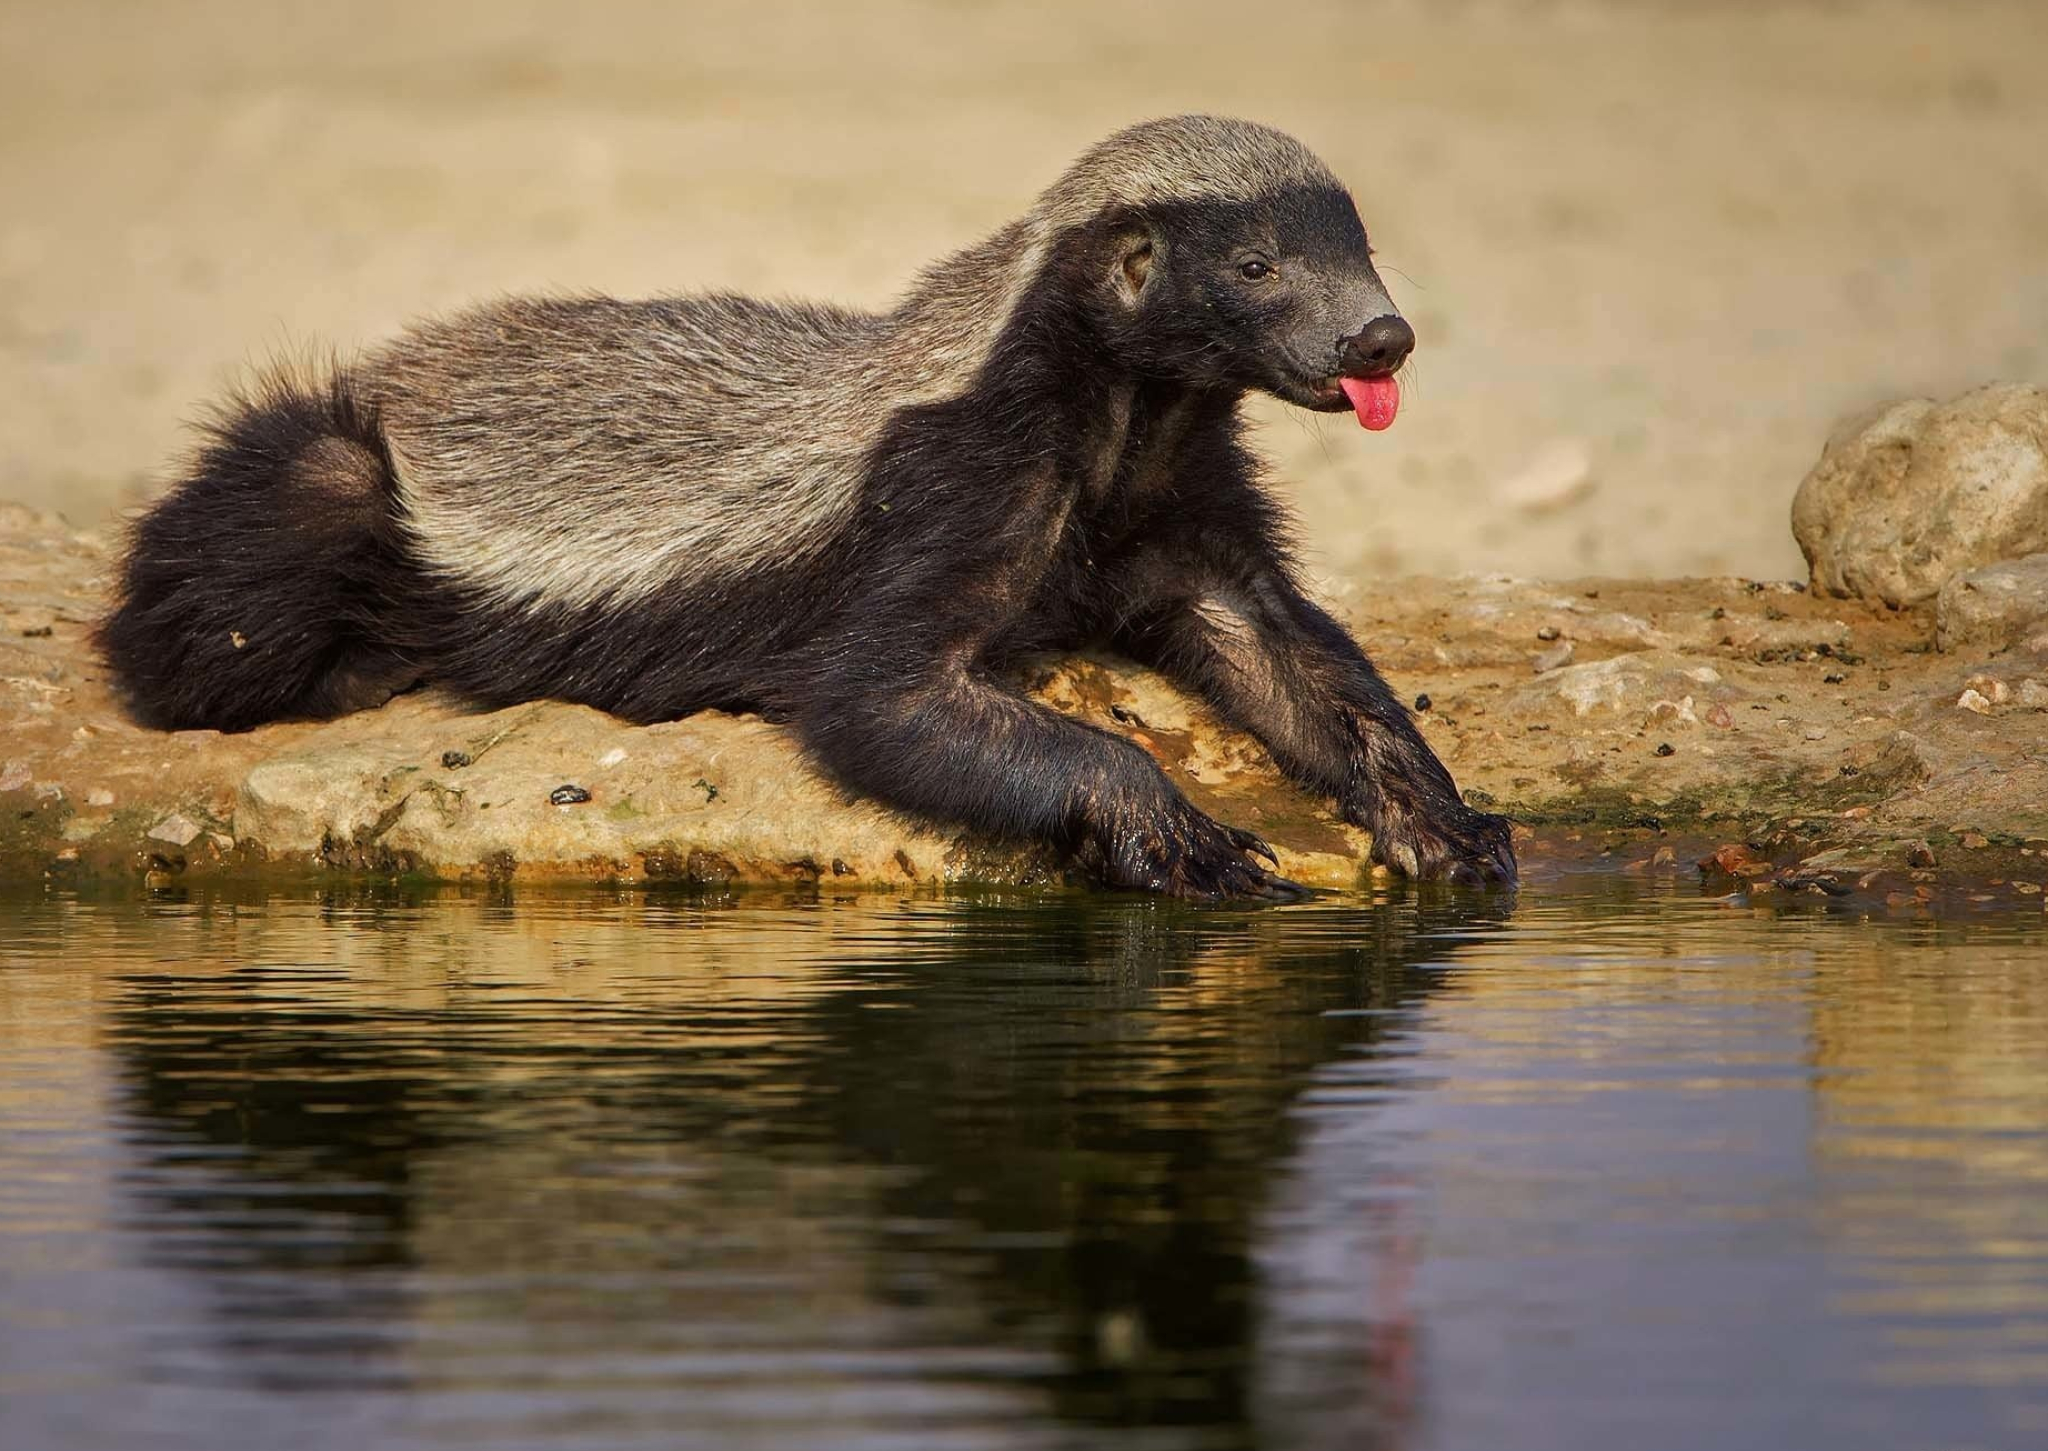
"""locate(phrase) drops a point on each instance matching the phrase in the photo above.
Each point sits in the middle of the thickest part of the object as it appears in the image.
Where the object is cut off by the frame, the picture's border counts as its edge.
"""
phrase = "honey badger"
(849, 521)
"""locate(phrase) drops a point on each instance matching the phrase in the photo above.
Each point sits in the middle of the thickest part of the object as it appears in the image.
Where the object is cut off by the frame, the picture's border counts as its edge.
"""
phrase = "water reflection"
(623, 1169)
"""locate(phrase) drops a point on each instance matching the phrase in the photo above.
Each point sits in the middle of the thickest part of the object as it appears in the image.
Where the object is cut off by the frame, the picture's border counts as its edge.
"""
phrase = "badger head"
(1226, 255)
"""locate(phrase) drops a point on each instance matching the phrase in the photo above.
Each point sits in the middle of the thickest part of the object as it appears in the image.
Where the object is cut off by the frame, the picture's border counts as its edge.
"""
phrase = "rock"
(1905, 498)
(294, 803)
(1733, 860)
(1973, 700)
(177, 829)
(1919, 854)
(1993, 607)
(1556, 657)
(1558, 475)
(1630, 683)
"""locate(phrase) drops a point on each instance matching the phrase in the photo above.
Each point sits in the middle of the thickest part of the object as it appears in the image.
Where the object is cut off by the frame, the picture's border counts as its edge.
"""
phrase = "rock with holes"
(1906, 498)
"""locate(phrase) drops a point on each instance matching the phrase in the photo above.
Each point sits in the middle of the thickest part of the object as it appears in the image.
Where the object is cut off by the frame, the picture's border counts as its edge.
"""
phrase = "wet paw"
(1181, 852)
(1450, 843)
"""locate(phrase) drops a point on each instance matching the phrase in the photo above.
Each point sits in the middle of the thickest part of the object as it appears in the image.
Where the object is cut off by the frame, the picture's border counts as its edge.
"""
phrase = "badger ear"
(1135, 254)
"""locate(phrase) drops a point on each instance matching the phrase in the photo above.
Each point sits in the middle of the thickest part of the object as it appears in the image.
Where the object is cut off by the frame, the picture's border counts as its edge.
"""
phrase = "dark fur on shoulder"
(851, 522)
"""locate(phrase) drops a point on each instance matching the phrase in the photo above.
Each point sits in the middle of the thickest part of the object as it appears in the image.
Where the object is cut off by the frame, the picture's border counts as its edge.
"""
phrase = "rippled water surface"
(1625, 1168)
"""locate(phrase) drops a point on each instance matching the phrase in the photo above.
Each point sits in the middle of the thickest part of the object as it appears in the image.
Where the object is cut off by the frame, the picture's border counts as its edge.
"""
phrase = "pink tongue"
(1376, 399)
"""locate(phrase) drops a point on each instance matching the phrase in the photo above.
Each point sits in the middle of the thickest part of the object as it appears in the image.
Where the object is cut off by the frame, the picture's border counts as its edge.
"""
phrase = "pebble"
(177, 829)
(1975, 840)
(1971, 700)
(1558, 475)
(1422, 702)
(1667, 749)
(1548, 632)
(568, 795)
(99, 796)
(1555, 658)
(454, 760)
(1919, 854)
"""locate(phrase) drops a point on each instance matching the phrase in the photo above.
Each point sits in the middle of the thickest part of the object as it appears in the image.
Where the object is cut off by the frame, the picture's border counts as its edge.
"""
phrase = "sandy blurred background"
(1652, 249)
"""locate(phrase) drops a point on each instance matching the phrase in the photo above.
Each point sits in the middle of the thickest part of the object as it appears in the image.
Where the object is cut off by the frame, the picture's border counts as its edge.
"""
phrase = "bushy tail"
(250, 591)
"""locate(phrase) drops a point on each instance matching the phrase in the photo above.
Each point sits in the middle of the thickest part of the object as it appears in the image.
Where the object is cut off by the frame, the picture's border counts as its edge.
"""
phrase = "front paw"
(1178, 851)
(1447, 842)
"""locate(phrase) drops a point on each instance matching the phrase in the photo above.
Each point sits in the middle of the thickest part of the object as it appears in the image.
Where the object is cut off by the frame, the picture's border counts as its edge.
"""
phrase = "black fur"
(1088, 487)
(252, 592)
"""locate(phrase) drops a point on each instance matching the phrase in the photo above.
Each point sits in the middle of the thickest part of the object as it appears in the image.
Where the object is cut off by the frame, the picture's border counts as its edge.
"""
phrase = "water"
(1627, 1168)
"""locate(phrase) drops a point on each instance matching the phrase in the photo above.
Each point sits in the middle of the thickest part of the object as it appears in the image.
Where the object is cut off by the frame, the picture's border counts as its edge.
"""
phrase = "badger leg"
(248, 593)
(1238, 633)
(947, 743)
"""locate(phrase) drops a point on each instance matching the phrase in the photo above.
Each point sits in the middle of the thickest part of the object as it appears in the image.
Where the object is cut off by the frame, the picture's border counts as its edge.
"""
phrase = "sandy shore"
(1652, 250)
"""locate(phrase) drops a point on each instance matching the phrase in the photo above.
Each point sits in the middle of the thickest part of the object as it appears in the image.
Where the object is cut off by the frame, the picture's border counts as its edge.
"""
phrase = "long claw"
(1252, 842)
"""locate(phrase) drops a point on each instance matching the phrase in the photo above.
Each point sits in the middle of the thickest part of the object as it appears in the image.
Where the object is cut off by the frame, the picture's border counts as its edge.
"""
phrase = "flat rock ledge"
(1828, 739)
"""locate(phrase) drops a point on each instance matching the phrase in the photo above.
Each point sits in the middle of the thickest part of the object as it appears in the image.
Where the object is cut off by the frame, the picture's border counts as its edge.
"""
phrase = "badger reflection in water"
(1003, 1158)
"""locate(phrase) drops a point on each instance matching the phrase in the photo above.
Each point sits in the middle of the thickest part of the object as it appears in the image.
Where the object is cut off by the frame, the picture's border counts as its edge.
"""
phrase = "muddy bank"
(1647, 721)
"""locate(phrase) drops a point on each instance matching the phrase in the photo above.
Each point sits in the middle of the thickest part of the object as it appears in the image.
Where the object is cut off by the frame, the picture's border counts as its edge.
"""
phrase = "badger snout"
(1376, 349)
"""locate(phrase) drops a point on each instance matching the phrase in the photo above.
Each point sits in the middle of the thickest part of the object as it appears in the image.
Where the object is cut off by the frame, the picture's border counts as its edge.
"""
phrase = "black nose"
(1379, 347)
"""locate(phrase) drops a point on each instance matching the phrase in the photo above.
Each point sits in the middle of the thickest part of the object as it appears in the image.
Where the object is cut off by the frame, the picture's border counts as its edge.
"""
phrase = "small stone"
(1667, 749)
(1555, 658)
(1991, 688)
(1975, 840)
(1919, 854)
(1663, 856)
(14, 775)
(2033, 694)
(99, 796)
(1717, 715)
(454, 760)
(1734, 860)
(1816, 733)
(612, 757)
(1548, 632)
(1422, 702)
(1833, 677)
(1973, 701)
(177, 829)
(237, 639)
(568, 795)
(1558, 475)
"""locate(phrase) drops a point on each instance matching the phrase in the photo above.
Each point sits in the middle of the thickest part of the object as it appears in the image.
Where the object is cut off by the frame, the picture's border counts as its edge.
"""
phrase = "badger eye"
(1254, 270)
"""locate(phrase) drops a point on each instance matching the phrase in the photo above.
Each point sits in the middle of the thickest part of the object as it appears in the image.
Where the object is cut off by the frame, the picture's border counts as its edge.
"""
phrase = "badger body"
(849, 521)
